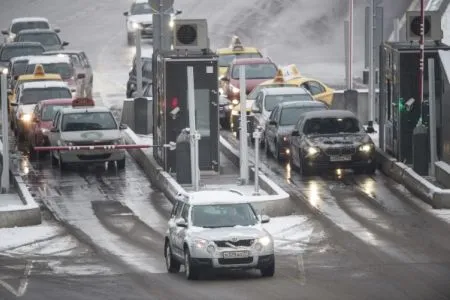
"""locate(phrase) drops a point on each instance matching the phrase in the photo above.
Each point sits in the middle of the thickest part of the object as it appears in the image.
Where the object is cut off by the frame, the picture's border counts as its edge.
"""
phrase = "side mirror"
(273, 123)
(5, 32)
(181, 223)
(123, 126)
(54, 129)
(295, 133)
(178, 12)
(57, 30)
(125, 14)
(265, 219)
(65, 44)
(81, 76)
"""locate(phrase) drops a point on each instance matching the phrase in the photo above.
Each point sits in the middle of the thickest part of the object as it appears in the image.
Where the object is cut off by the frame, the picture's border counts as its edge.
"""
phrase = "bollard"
(257, 136)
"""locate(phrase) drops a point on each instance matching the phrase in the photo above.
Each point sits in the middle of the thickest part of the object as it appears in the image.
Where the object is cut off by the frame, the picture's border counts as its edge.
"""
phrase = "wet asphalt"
(364, 240)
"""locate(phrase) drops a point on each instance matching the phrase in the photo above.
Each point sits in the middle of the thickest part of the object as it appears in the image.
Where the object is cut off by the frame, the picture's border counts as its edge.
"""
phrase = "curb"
(27, 215)
(277, 203)
(419, 186)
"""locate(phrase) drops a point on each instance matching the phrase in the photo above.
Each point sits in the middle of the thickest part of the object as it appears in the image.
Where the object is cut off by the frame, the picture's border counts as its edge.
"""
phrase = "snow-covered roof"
(49, 59)
(215, 197)
(29, 19)
(44, 84)
(445, 60)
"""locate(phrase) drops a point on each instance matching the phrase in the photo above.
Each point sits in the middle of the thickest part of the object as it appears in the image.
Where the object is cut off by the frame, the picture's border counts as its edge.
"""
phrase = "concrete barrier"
(27, 214)
(277, 203)
(128, 113)
(425, 190)
(443, 173)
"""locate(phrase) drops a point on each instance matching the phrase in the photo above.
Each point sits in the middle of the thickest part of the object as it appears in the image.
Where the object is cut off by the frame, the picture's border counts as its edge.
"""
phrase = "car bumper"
(324, 162)
(80, 156)
(257, 262)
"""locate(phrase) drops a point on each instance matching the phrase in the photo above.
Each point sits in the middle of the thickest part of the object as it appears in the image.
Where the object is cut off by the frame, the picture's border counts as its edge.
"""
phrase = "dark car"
(17, 66)
(281, 123)
(16, 49)
(47, 37)
(147, 68)
(332, 139)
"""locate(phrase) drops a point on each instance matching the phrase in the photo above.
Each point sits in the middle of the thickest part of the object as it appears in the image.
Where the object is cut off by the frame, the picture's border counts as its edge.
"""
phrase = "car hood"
(250, 84)
(227, 233)
(326, 141)
(52, 47)
(146, 19)
(91, 135)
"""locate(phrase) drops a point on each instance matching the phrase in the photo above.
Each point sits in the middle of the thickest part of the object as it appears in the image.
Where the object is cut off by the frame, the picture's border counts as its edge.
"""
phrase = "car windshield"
(16, 27)
(272, 100)
(223, 215)
(256, 71)
(258, 88)
(46, 39)
(49, 111)
(290, 115)
(331, 125)
(19, 68)
(226, 59)
(33, 96)
(10, 52)
(141, 9)
(88, 121)
(63, 69)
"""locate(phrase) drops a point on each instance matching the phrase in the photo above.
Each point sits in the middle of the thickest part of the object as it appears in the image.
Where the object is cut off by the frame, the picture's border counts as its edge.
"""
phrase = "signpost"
(5, 132)
(243, 132)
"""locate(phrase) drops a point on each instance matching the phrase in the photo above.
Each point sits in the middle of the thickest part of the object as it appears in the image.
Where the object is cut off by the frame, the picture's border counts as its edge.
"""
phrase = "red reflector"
(174, 103)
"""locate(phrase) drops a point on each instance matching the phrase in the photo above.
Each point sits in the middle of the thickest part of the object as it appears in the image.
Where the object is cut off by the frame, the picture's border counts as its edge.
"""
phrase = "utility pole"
(138, 62)
(371, 62)
(5, 132)
(243, 142)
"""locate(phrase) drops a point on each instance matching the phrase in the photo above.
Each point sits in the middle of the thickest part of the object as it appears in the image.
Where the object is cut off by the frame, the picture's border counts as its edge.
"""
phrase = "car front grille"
(90, 143)
(240, 243)
(235, 261)
(340, 151)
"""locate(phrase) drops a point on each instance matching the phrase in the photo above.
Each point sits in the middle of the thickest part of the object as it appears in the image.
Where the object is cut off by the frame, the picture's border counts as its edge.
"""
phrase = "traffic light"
(432, 26)
(401, 105)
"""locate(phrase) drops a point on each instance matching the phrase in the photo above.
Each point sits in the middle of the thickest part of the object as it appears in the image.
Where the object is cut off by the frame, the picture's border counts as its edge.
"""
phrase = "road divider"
(25, 211)
(421, 187)
(275, 203)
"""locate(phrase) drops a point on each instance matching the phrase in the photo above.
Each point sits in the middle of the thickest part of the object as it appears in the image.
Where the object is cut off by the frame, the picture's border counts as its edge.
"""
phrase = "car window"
(185, 212)
(141, 9)
(85, 60)
(226, 59)
(10, 52)
(256, 71)
(49, 111)
(46, 39)
(272, 114)
(84, 121)
(33, 96)
(331, 125)
(223, 215)
(176, 209)
(19, 68)
(272, 101)
(147, 69)
(16, 27)
(290, 115)
(76, 60)
(55, 119)
(315, 88)
(64, 69)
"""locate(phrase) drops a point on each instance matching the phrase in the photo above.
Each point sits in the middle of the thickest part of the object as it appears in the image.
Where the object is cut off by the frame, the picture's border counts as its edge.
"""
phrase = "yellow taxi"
(277, 81)
(38, 75)
(318, 89)
(235, 50)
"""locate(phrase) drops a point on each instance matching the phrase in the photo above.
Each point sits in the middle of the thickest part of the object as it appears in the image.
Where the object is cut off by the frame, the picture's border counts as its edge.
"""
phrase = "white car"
(86, 126)
(217, 229)
(139, 16)
(28, 95)
(19, 24)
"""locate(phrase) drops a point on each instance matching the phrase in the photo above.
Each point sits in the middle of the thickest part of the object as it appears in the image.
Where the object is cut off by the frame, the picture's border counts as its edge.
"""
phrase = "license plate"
(235, 254)
(341, 158)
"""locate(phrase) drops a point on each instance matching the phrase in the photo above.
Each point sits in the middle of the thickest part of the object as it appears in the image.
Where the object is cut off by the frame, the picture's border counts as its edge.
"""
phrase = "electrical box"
(170, 105)
(399, 98)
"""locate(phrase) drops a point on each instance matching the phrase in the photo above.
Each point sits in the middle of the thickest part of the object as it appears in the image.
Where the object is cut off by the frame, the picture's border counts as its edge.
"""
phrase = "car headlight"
(312, 151)
(235, 101)
(26, 117)
(265, 241)
(366, 148)
(285, 138)
(200, 243)
(134, 25)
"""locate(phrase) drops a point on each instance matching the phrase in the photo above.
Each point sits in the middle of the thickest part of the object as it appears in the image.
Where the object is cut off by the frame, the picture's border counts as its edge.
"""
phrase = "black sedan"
(282, 121)
(332, 139)
(11, 50)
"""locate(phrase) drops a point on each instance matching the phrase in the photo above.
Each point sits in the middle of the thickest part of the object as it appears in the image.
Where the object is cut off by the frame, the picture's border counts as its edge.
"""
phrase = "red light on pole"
(174, 103)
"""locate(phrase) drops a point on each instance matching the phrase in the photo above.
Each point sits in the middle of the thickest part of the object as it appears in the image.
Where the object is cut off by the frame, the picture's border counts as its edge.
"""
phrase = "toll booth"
(399, 99)
(170, 105)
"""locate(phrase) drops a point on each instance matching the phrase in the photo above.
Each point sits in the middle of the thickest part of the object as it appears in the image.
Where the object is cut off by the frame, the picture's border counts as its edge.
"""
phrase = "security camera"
(409, 104)
(174, 112)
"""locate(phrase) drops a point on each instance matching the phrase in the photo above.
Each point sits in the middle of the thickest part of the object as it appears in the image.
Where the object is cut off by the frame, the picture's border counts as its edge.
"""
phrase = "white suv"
(217, 229)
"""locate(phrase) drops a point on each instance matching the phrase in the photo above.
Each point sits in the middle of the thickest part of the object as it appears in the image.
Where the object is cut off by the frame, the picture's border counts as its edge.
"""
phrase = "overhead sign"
(156, 4)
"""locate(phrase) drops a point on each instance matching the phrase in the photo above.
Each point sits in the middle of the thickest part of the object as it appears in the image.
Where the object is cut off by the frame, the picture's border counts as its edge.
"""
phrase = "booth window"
(202, 111)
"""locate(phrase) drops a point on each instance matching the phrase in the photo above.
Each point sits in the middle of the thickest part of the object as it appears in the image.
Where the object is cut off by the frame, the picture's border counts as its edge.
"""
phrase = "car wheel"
(121, 164)
(268, 271)
(191, 271)
(173, 266)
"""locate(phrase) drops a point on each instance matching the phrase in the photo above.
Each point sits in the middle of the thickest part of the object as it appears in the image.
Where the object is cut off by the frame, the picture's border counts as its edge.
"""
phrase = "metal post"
(422, 54)
(371, 61)
(161, 25)
(156, 31)
(195, 171)
(432, 115)
(347, 58)
(138, 63)
(5, 131)
(396, 30)
(350, 46)
(257, 137)
(243, 132)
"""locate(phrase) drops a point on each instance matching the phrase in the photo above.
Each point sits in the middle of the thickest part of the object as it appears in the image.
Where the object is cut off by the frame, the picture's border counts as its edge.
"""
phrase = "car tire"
(172, 265)
(268, 271)
(190, 271)
(121, 164)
